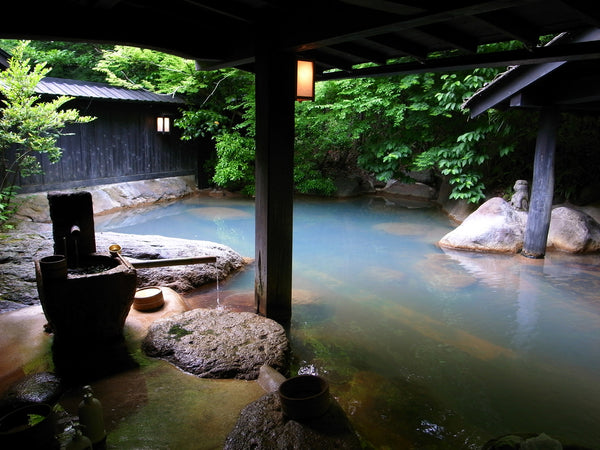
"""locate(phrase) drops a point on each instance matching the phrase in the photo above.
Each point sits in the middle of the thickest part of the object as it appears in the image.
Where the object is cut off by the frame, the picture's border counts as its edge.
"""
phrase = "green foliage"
(75, 60)
(387, 127)
(235, 166)
(137, 68)
(7, 208)
(390, 126)
(27, 125)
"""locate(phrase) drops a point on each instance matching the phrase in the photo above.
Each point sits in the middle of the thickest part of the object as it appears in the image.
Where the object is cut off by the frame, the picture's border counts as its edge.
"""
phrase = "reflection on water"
(424, 348)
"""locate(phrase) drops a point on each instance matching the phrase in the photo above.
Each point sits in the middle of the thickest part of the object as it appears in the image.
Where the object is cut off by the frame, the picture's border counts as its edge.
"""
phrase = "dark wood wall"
(122, 144)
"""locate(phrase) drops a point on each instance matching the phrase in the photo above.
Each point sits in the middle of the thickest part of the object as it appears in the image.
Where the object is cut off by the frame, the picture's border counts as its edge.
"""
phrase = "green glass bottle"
(91, 417)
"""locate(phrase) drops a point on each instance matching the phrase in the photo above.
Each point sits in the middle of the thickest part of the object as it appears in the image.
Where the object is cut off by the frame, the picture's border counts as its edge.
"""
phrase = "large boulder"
(32, 241)
(214, 343)
(109, 197)
(498, 227)
(573, 231)
(180, 278)
(494, 227)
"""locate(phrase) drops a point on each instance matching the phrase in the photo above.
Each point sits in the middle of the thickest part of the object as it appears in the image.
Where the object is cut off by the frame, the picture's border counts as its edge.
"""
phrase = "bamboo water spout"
(115, 252)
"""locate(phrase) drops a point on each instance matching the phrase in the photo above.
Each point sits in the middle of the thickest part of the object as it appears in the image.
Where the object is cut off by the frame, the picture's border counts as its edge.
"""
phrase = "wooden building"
(121, 144)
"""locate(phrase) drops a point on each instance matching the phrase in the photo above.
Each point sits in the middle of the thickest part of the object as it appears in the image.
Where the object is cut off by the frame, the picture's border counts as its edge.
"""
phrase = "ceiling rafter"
(360, 51)
(430, 18)
(453, 38)
(513, 27)
(557, 53)
(588, 10)
(400, 46)
(342, 33)
(343, 54)
(327, 60)
(390, 7)
(240, 13)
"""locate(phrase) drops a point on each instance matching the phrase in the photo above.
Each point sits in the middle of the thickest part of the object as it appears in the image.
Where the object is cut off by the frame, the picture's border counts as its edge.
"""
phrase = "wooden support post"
(542, 190)
(275, 106)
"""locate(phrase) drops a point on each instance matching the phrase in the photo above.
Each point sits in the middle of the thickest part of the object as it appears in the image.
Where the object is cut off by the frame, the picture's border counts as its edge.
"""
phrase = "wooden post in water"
(275, 107)
(542, 190)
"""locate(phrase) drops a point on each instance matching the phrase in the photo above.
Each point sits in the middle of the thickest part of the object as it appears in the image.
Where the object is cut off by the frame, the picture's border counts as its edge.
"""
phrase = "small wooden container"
(148, 298)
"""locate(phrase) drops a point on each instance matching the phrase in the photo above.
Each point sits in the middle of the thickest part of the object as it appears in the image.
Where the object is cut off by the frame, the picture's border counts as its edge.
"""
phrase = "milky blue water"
(424, 348)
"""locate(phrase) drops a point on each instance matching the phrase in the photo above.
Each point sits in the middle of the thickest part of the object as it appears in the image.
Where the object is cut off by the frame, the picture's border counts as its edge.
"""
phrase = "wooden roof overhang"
(569, 85)
(340, 36)
(337, 34)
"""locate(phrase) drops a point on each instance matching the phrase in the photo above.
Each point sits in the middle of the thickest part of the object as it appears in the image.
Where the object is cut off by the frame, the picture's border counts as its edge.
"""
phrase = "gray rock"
(417, 189)
(352, 186)
(494, 227)
(269, 379)
(262, 425)
(573, 231)
(42, 387)
(31, 241)
(498, 227)
(180, 278)
(213, 343)
(111, 197)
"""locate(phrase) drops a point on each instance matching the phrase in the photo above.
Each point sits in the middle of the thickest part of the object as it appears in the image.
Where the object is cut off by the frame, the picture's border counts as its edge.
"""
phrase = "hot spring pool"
(423, 348)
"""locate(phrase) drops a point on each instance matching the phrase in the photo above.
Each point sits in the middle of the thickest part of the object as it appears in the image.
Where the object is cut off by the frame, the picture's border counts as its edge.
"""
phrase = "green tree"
(74, 60)
(28, 125)
(391, 126)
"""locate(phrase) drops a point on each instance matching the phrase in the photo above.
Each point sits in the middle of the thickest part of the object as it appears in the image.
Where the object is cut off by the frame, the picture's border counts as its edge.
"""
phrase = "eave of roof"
(88, 89)
(517, 78)
(336, 34)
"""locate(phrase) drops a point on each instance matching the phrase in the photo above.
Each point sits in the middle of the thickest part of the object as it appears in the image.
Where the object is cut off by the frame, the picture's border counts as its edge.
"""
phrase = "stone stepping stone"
(214, 343)
(42, 387)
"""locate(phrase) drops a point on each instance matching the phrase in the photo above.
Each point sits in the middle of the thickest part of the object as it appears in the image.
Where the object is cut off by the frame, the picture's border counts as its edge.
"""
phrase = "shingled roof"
(88, 89)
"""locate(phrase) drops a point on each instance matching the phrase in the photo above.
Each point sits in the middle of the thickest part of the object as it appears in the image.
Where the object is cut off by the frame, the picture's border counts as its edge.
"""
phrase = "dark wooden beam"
(401, 9)
(587, 9)
(359, 53)
(513, 27)
(345, 30)
(400, 47)
(328, 59)
(566, 52)
(526, 100)
(454, 38)
(494, 96)
(585, 90)
(542, 190)
(275, 108)
(546, 61)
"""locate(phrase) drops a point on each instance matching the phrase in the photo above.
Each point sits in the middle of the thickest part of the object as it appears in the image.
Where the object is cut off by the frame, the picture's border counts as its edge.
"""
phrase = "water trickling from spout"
(76, 250)
(218, 293)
